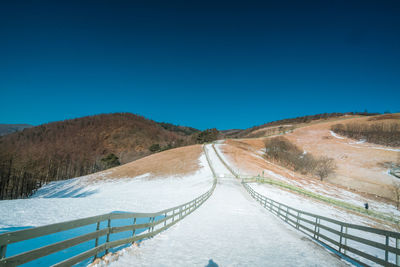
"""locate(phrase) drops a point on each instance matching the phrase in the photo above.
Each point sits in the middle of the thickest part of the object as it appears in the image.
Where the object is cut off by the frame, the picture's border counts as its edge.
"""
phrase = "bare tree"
(396, 193)
(324, 167)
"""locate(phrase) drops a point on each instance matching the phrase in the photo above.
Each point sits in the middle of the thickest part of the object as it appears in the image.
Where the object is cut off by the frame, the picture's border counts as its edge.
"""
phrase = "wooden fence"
(364, 245)
(157, 222)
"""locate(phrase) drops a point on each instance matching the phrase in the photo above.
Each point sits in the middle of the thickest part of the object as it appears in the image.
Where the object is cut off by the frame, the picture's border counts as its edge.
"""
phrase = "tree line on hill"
(77, 147)
(297, 120)
(383, 133)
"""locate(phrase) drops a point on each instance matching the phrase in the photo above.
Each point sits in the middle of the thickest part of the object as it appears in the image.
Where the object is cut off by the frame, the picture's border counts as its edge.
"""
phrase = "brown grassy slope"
(245, 156)
(359, 165)
(178, 161)
(72, 148)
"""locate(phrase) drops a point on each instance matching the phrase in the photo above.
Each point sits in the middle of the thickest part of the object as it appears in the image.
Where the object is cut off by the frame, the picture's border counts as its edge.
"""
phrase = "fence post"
(148, 231)
(134, 229)
(287, 211)
(386, 249)
(298, 220)
(96, 243)
(3, 250)
(341, 238)
(279, 210)
(108, 234)
(315, 227)
(152, 221)
(397, 255)
(345, 240)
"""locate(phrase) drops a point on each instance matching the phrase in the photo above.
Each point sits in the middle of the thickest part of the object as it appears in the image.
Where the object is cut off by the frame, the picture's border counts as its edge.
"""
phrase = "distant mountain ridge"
(12, 128)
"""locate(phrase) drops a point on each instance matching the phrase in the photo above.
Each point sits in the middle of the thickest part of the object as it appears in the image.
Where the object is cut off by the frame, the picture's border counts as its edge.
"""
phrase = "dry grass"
(174, 162)
(358, 164)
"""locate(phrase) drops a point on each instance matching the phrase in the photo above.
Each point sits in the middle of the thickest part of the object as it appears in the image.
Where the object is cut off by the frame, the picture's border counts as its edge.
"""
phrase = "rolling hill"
(76, 147)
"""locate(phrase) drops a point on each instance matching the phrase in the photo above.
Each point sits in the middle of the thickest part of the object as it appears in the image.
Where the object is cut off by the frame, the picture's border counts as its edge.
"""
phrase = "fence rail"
(157, 222)
(364, 245)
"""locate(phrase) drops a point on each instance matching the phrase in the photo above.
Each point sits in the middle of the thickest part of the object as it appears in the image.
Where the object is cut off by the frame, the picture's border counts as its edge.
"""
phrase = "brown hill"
(71, 148)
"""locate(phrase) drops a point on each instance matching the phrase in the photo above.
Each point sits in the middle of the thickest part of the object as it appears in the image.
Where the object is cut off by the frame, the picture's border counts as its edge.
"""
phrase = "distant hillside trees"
(155, 148)
(110, 161)
(297, 120)
(283, 152)
(77, 147)
(207, 136)
(383, 133)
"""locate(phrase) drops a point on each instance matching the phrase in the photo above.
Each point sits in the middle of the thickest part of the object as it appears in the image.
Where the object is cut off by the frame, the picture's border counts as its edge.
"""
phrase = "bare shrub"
(282, 151)
(396, 193)
(324, 167)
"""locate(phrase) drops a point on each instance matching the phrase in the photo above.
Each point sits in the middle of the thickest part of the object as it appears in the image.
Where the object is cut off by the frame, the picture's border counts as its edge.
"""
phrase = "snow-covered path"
(231, 229)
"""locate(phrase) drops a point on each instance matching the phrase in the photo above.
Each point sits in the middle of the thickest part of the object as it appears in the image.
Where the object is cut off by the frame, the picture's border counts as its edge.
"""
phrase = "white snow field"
(229, 229)
(84, 196)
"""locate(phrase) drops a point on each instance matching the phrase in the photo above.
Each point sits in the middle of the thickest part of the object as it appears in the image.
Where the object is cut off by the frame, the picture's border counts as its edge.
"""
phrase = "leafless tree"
(396, 193)
(324, 167)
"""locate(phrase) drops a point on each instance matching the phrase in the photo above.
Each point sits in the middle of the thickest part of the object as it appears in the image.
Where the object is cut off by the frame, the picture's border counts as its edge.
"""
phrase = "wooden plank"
(367, 256)
(373, 243)
(118, 229)
(49, 249)
(80, 257)
(17, 236)
(329, 240)
(3, 250)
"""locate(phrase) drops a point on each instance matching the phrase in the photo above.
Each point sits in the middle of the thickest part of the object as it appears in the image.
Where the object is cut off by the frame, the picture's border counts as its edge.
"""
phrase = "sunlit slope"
(178, 161)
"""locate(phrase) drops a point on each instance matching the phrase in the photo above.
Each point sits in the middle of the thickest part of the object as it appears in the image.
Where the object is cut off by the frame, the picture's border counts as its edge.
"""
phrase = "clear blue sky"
(198, 63)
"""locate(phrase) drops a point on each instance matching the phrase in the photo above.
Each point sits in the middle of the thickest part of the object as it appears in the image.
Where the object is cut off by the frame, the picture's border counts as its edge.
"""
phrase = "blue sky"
(198, 63)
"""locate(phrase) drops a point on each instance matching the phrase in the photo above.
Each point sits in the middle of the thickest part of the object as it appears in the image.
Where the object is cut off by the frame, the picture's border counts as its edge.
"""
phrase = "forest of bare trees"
(384, 133)
(72, 148)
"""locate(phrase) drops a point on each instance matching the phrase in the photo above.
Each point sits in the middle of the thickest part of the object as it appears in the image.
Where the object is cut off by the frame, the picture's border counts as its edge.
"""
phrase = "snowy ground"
(230, 229)
(80, 197)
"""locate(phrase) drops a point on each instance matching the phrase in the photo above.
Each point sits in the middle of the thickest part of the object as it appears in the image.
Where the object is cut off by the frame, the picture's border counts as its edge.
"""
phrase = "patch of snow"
(335, 135)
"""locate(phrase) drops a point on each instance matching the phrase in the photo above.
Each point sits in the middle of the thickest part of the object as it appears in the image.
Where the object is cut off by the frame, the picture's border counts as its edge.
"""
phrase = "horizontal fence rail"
(365, 245)
(155, 223)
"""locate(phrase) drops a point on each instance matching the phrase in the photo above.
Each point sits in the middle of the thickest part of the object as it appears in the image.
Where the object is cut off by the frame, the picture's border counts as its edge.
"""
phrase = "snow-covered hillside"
(83, 197)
